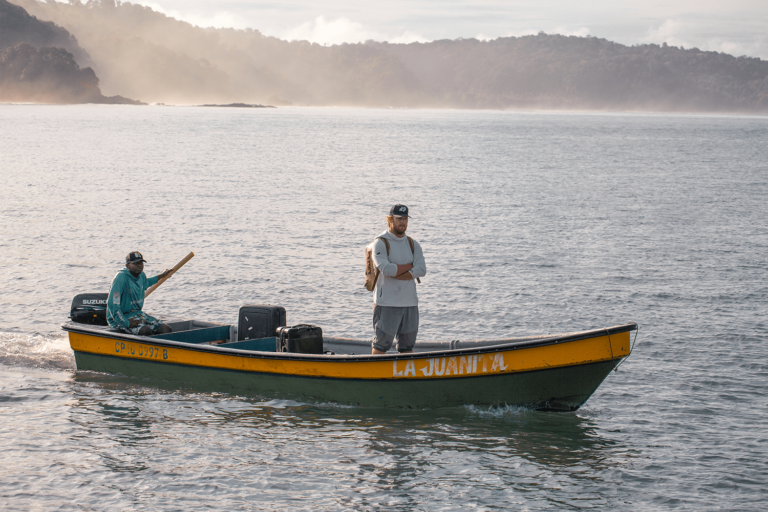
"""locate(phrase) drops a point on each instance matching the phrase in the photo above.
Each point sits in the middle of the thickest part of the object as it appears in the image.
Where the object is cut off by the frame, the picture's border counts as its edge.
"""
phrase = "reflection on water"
(350, 456)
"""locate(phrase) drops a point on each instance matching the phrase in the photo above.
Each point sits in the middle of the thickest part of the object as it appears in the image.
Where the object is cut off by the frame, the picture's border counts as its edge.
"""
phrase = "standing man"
(126, 298)
(399, 260)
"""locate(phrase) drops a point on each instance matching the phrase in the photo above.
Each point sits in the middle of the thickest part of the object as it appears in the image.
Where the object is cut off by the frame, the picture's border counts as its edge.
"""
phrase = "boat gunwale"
(215, 349)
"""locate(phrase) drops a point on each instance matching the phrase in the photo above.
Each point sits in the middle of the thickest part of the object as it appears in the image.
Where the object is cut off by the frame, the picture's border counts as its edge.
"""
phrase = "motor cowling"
(89, 308)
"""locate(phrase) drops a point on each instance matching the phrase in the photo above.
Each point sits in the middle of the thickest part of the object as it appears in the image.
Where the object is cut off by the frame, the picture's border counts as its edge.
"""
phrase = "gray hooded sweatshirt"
(394, 292)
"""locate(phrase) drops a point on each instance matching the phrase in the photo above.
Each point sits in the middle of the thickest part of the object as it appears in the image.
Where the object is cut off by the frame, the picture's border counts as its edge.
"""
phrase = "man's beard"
(398, 232)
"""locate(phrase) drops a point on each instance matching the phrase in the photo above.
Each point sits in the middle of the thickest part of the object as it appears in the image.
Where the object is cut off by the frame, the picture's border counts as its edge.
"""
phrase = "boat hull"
(553, 374)
(557, 389)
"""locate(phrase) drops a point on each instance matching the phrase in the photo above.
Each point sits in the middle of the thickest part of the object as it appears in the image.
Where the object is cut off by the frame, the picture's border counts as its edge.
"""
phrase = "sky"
(738, 27)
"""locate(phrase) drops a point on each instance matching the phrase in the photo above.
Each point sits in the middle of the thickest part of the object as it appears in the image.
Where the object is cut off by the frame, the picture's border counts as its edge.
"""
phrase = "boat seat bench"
(259, 345)
(219, 333)
(204, 335)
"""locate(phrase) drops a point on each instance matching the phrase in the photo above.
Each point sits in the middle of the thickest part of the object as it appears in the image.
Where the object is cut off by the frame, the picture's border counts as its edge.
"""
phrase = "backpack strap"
(386, 243)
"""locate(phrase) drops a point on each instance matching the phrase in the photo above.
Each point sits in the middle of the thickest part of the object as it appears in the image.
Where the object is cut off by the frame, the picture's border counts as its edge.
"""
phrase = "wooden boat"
(557, 372)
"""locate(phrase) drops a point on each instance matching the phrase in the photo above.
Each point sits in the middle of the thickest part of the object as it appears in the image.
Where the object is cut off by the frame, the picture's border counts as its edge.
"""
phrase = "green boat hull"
(559, 389)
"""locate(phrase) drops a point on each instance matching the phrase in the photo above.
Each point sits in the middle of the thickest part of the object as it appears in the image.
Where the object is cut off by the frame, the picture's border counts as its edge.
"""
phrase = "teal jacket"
(126, 297)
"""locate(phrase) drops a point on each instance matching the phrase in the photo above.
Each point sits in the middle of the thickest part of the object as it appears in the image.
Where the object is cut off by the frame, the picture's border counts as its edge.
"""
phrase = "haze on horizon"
(737, 27)
(140, 53)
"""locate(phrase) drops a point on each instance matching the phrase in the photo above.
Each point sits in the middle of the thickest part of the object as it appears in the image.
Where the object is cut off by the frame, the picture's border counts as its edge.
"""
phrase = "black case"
(89, 308)
(300, 339)
(258, 321)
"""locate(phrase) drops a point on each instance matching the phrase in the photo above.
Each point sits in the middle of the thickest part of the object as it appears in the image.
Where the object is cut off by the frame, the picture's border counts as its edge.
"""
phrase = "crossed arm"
(402, 272)
(395, 271)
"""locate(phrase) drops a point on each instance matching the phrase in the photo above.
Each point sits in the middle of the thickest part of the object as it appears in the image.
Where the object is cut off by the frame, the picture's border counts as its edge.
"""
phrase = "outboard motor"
(89, 308)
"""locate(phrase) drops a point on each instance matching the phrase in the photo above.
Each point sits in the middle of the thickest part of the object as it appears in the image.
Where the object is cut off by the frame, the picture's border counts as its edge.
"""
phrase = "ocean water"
(531, 223)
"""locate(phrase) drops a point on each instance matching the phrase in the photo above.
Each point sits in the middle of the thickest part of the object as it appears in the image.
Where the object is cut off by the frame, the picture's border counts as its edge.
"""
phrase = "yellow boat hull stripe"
(570, 353)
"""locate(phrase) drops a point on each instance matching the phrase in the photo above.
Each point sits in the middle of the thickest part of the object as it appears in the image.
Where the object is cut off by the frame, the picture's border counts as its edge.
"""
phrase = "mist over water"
(530, 222)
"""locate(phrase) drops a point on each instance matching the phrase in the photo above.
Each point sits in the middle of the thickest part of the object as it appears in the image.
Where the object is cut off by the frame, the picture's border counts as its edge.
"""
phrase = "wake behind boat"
(557, 372)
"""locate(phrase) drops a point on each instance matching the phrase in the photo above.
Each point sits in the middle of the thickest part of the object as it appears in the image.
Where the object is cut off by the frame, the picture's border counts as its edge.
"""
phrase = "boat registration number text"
(147, 351)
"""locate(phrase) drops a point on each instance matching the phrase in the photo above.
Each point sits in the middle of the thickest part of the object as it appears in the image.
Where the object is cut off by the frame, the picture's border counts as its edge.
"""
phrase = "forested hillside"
(17, 26)
(142, 53)
(553, 71)
(37, 62)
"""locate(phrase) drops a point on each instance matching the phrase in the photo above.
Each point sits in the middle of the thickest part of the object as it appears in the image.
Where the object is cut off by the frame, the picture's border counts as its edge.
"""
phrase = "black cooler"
(258, 321)
(300, 339)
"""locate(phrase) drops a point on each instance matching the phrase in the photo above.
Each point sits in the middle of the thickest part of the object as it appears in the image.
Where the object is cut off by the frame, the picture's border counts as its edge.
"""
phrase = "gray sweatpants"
(392, 322)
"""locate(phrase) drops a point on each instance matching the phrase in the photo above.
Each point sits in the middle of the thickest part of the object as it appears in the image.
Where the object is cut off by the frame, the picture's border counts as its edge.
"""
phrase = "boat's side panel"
(503, 361)
(563, 388)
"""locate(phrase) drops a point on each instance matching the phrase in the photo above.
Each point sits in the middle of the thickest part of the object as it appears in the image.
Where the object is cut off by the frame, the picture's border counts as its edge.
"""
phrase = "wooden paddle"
(173, 271)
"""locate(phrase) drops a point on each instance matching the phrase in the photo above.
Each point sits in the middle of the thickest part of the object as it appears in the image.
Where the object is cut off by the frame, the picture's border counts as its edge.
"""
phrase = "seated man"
(126, 298)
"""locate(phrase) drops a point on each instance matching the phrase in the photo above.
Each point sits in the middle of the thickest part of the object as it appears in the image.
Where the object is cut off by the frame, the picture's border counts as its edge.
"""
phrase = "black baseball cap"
(134, 256)
(399, 210)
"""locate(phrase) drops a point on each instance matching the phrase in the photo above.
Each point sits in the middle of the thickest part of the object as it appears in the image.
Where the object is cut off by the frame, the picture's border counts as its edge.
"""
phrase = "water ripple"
(531, 223)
